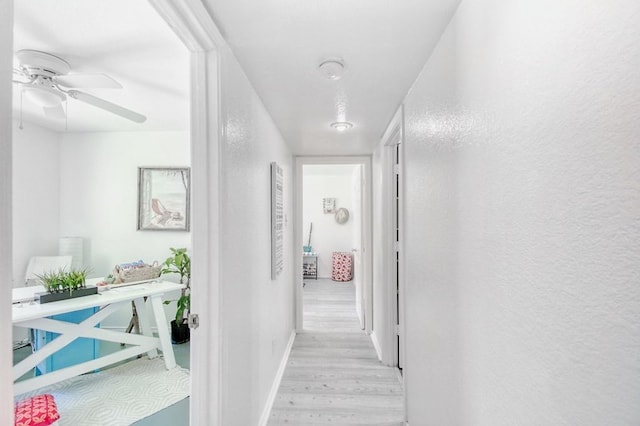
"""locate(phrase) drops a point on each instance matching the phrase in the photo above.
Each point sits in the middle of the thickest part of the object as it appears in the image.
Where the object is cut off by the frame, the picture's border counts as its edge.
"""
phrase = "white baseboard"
(264, 419)
(376, 345)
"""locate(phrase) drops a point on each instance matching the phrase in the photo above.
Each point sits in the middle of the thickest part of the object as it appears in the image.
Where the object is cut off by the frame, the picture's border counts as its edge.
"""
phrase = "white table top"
(28, 311)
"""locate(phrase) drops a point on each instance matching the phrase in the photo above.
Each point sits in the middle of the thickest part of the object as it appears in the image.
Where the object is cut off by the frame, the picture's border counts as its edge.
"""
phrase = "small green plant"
(180, 263)
(61, 280)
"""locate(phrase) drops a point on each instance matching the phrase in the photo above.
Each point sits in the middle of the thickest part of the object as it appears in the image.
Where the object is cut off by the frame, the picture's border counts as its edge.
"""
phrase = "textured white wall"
(6, 48)
(99, 196)
(328, 235)
(36, 195)
(522, 218)
(258, 315)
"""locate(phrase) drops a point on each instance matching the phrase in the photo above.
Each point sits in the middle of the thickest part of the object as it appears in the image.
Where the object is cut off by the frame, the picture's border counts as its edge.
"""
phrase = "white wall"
(328, 236)
(98, 197)
(6, 48)
(258, 315)
(85, 184)
(522, 203)
(99, 193)
(36, 195)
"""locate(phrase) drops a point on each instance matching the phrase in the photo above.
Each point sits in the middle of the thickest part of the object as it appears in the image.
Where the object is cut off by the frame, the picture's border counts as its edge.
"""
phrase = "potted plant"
(61, 285)
(180, 263)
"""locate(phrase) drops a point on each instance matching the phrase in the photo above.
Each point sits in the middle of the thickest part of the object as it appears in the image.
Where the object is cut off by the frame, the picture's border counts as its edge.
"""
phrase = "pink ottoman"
(342, 266)
(40, 410)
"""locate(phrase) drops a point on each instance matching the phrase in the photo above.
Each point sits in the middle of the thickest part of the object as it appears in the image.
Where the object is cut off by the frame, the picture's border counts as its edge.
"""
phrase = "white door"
(358, 265)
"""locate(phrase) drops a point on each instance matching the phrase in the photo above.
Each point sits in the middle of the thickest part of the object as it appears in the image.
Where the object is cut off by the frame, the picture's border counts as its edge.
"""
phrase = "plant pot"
(66, 294)
(180, 333)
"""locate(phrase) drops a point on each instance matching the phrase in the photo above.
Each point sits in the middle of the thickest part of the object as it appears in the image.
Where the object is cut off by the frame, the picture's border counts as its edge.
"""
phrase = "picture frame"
(329, 205)
(277, 220)
(164, 198)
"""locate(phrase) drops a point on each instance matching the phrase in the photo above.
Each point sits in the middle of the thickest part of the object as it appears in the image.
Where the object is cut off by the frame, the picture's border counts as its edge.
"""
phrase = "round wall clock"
(342, 215)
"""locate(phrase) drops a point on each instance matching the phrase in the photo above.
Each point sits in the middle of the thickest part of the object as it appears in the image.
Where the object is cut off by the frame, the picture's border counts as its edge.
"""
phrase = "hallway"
(333, 375)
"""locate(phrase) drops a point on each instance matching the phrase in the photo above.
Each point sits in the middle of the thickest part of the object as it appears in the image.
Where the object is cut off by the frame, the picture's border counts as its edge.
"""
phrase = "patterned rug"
(118, 396)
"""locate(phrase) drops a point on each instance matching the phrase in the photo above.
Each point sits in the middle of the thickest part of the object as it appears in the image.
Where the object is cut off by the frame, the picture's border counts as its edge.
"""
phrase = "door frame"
(367, 245)
(393, 134)
(195, 27)
(6, 251)
(193, 24)
(394, 312)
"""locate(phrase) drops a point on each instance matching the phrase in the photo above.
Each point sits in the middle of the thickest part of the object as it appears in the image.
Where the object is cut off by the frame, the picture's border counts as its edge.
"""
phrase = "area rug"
(118, 396)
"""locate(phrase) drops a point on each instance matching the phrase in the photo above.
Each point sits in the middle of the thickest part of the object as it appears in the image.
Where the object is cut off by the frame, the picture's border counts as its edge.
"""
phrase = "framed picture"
(277, 220)
(329, 205)
(163, 198)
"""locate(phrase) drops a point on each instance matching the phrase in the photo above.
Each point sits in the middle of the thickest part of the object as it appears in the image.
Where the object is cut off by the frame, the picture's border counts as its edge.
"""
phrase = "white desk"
(35, 315)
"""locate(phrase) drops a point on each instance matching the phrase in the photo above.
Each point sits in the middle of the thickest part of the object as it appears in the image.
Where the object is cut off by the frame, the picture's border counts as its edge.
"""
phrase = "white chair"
(39, 265)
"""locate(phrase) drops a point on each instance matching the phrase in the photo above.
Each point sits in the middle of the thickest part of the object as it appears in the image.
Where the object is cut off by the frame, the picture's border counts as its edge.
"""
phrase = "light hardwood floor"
(333, 375)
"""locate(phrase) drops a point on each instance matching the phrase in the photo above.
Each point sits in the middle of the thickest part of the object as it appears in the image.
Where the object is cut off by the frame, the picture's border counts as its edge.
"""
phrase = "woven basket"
(140, 273)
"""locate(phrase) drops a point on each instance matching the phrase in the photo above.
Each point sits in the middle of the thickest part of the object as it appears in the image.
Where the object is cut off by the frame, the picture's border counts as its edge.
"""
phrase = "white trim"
(376, 345)
(401, 297)
(394, 127)
(264, 419)
(192, 23)
(195, 27)
(392, 134)
(367, 249)
(297, 244)
(6, 128)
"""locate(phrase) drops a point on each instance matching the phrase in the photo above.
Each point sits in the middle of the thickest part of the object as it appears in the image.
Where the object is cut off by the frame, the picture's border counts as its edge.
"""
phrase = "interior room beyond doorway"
(332, 228)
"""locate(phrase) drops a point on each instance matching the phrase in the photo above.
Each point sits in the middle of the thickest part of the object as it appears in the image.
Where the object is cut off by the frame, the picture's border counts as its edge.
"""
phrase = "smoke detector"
(332, 68)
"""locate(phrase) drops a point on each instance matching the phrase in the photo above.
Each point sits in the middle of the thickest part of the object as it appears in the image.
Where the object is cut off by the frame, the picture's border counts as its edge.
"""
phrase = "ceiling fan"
(45, 80)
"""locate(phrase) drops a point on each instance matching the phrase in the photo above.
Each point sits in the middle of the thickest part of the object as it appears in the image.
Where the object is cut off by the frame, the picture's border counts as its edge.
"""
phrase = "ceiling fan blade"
(107, 106)
(87, 81)
(55, 112)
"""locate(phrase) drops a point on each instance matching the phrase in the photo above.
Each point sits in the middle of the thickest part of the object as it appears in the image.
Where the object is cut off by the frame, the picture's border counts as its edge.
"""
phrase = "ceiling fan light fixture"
(332, 68)
(341, 126)
(43, 74)
(42, 63)
(44, 96)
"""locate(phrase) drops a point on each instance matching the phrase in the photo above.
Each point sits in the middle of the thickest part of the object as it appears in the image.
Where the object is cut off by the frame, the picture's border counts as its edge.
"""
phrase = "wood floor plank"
(333, 375)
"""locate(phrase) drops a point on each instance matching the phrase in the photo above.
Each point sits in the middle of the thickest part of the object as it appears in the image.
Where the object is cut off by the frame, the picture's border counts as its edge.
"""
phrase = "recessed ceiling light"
(332, 68)
(341, 126)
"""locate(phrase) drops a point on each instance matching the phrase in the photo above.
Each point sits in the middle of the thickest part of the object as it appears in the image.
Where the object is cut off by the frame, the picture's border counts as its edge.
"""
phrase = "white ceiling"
(384, 43)
(279, 43)
(126, 40)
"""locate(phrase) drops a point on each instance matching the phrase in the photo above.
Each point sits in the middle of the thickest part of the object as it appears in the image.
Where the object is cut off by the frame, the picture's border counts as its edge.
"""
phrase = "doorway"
(201, 38)
(331, 190)
(332, 263)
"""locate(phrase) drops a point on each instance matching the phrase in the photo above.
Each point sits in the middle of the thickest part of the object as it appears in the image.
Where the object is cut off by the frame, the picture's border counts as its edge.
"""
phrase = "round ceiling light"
(341, 126)
(332, 69)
